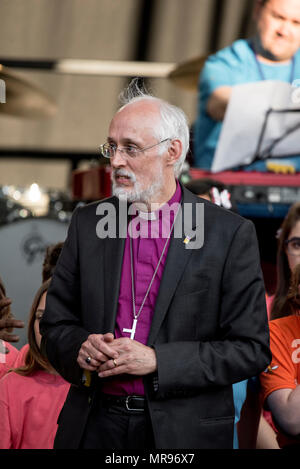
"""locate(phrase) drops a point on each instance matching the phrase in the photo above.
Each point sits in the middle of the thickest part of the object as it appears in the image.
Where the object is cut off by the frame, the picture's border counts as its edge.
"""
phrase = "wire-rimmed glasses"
(108, 150)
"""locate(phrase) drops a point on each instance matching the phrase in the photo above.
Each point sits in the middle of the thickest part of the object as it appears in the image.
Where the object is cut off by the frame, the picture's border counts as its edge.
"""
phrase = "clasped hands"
(111, 357)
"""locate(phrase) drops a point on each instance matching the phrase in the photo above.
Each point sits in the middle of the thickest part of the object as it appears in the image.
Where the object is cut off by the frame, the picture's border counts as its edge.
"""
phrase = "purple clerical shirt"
(148, 240)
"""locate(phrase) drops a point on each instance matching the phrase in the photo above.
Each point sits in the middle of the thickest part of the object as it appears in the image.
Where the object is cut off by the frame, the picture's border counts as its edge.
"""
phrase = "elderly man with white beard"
(152, 331)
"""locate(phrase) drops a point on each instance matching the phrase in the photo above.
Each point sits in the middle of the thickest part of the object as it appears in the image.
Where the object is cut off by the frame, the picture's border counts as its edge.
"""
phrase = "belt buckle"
(130, 408)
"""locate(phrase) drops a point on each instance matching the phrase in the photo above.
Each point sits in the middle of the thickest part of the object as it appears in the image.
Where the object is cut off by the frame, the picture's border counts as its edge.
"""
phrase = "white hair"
(173, 121)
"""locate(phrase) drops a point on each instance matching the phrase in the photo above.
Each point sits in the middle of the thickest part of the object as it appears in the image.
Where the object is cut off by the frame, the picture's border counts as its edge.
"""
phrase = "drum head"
(23, 245)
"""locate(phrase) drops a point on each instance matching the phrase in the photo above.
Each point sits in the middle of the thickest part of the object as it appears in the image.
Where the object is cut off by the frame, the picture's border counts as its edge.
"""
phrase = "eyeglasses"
(293, 246)
(110, 149)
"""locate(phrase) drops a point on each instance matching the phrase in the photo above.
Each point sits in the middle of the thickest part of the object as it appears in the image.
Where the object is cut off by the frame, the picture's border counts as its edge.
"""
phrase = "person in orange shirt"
(280, 381)
(288, 257)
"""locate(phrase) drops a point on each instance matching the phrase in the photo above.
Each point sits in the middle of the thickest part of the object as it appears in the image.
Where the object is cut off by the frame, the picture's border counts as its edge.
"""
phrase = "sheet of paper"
(245, 117)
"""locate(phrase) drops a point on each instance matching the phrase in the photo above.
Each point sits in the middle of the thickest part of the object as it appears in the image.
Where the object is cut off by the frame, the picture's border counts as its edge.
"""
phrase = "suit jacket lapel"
(177, 258)
(113, 260)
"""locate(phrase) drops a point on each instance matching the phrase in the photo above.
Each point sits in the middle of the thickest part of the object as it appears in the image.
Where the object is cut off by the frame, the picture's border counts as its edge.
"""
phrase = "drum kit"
(32, 218)
(25, 233)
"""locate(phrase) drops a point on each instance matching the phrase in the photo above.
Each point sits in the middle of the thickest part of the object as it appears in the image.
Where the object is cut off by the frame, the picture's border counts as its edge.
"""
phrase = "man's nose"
(284, 28)
(118, 159)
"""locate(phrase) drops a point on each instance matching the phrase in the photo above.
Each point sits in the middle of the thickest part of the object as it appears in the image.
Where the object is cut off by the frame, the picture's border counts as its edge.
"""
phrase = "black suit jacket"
(209, 328)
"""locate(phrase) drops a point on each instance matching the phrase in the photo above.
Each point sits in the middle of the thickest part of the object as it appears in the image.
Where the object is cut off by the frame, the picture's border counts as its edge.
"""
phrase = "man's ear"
(174, 151)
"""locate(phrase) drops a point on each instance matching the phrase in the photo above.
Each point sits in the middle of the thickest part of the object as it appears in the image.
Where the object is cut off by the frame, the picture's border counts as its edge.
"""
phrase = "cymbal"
(23, 99)
(186, 74)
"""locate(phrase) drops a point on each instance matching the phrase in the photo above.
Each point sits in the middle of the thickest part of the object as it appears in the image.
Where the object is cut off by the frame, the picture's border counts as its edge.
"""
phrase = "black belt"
(129, 403)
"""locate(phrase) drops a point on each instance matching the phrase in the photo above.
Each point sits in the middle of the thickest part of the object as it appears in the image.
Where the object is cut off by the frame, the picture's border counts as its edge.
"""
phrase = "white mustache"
(123, 172)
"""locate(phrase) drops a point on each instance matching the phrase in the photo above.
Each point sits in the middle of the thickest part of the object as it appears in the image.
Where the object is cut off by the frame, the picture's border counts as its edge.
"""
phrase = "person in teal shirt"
(272, 54)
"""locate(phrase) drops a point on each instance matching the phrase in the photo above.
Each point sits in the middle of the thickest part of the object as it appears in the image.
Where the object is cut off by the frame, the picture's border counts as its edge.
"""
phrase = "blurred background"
(50, 133)
(167, 31)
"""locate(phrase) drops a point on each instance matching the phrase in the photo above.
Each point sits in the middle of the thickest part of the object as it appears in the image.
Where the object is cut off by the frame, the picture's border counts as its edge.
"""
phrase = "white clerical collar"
(147, 215)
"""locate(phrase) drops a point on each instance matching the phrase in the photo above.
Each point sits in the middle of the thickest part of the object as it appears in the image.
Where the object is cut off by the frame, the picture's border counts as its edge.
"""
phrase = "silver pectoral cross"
(132, 330)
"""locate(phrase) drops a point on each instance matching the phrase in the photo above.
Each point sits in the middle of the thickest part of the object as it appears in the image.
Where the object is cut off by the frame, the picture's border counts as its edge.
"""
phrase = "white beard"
(136, 194)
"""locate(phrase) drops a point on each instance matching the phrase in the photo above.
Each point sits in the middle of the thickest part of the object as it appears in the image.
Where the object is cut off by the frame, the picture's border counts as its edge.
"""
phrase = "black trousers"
(116, 428)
